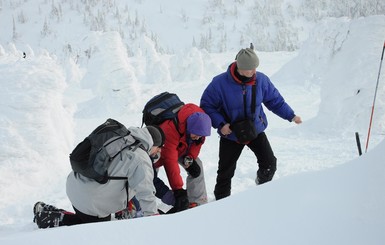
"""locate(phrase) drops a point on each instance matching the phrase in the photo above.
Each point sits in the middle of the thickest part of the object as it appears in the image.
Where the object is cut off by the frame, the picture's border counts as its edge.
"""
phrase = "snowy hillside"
(215, 25)
(90, 60)
(301, 209)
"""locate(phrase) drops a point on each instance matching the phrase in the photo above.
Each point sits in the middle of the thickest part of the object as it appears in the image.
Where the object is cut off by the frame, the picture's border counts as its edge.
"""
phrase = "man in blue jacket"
(233, 100)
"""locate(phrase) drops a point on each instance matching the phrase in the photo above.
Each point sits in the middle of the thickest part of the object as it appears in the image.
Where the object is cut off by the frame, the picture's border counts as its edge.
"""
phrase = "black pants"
(229, 152)
(81, 218)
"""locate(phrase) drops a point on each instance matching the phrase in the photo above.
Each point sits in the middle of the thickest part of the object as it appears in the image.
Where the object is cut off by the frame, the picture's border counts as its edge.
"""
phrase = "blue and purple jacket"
(223, 100)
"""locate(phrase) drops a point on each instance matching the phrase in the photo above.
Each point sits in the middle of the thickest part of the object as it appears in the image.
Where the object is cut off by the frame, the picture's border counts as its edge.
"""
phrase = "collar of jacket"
(233, 69)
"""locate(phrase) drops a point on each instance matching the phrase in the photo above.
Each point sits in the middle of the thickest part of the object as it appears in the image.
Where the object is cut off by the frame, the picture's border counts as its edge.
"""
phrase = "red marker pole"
(374, 100)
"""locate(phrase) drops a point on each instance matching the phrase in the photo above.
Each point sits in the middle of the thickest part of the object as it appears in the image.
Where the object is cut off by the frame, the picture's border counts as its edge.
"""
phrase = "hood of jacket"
(143, 136)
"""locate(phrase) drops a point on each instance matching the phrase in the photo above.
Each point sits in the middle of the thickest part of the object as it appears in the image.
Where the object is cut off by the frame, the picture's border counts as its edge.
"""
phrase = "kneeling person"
(95, 202)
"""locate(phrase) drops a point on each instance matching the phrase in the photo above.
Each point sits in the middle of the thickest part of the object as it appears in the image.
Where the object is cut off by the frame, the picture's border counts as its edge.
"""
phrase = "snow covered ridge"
(35, 125)
(343, 205)
(344, 62)
(214, 25)
(72, 79)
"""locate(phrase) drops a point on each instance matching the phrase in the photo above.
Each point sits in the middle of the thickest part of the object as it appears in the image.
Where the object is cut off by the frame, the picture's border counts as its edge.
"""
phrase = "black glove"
(122, 214)
(194, 170)
(181, 201)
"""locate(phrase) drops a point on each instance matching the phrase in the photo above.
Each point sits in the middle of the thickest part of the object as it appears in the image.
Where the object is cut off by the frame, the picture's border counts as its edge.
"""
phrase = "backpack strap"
(116, 177)
(175, 120)
(121, 178)
(135, 146)
(132, 147)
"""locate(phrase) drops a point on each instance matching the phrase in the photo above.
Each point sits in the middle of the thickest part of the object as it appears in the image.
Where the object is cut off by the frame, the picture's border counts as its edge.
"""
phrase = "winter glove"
(122, 214)
(133, 210)
(191, 167)
(194, 170)
(168, 198)
(181, 201)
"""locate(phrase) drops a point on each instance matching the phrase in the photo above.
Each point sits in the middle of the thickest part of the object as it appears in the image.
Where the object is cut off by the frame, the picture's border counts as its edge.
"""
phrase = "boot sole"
(38, 207)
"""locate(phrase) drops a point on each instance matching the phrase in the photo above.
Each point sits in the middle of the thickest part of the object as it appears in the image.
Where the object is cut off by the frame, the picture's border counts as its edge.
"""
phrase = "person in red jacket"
(183, 143)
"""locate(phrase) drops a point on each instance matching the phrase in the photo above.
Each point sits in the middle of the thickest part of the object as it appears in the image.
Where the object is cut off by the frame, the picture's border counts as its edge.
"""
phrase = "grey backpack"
(92, 157)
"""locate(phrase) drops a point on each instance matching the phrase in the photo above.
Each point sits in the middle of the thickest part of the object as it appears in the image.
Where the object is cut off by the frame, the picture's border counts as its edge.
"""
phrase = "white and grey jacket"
(101, 200)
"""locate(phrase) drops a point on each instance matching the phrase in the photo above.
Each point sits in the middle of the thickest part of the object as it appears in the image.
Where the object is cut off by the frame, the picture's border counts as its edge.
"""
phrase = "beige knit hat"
(247, 59)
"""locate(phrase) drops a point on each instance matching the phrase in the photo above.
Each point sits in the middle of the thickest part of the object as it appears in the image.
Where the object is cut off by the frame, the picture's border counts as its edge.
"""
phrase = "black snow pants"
(229, 153)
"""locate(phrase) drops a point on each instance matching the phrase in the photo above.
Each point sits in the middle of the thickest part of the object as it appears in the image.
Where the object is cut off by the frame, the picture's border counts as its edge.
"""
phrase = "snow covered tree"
(184, 16)
(45, 30)
(21, 17)
(194, 44)
(14, 33)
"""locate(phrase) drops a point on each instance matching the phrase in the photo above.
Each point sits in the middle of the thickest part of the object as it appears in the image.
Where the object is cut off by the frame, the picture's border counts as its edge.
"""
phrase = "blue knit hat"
(199, 123)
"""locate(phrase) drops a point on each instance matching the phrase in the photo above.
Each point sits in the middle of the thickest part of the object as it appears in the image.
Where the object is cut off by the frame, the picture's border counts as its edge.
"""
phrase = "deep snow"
(323, 193)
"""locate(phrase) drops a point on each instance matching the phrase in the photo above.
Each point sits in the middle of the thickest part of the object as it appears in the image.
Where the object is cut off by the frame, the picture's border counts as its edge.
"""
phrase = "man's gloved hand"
(133, 210)
(181, 201)
(191, 166)
(122, 214)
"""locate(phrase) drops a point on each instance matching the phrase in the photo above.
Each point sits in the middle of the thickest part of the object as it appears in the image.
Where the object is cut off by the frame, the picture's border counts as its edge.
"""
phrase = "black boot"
(47, 219)
(264, 175)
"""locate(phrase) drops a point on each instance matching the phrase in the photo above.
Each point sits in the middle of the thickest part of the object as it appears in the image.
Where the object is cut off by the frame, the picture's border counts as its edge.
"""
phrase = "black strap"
(127, 192)
(121, 178)
(175, 120)
(244, 101)
(253, 101)
(116, 177)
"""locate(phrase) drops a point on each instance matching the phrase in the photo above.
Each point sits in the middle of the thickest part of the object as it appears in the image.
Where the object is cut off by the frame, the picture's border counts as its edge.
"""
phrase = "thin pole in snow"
(374, 100)
(358, 144)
